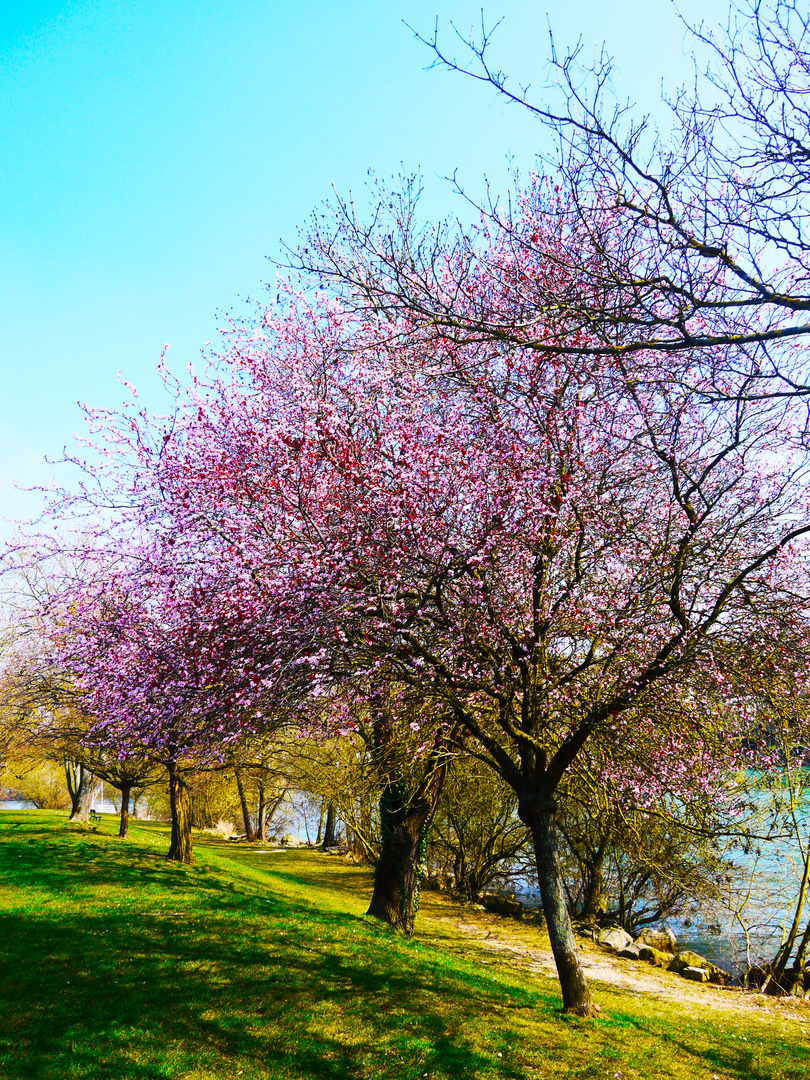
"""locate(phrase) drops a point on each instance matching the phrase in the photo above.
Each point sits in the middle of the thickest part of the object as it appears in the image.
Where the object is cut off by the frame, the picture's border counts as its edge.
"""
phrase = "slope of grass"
(115, 963)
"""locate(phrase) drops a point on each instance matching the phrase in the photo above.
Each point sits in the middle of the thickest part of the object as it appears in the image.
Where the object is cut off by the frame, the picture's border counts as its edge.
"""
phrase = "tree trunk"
(404, 822)
(180, 800)
(85, 799)
(249, 834)
(801, 953)
(270, 808)
(594, 900)
(329, 837)
(575, 993)
(80, 789)
(398, 870)
(123, 828)
(261, 813)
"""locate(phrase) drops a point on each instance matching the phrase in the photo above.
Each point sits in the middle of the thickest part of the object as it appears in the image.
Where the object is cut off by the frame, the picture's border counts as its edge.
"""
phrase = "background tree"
(385, 782)
(477, 837)
(261, 769)
(633, 866)
(339, 775)
(410, 793)
(782, 802)
(30, 779)
(135, 770)
(155, 668)
(80, 784)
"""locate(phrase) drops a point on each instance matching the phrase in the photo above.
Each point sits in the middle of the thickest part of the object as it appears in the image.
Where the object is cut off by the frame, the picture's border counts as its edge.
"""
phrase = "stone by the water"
(614, 938)
(660, 937)
(631, 951)
(654, 956)
(696, 974)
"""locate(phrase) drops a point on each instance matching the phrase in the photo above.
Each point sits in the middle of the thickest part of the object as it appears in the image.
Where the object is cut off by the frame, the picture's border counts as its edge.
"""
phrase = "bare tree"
(679, 244)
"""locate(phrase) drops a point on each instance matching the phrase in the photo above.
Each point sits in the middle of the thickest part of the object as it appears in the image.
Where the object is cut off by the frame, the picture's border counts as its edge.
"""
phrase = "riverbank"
(260, 963)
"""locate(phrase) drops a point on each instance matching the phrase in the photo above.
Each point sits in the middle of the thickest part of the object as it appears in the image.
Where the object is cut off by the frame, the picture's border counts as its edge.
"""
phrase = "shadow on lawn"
(243, 976)
(70, 863)
(251, 979)
(87, 997)
(151, 998)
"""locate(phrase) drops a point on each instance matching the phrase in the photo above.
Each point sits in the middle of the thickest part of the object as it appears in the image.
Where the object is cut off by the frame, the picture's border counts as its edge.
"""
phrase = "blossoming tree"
(568, 554)
(574, 557)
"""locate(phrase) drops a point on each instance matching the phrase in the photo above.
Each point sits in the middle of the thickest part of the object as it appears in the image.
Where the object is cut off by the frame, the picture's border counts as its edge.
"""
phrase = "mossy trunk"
(80, 789)
(405, 817)
(594, 900)
(575, 993)
(398, 871)
(180, 801)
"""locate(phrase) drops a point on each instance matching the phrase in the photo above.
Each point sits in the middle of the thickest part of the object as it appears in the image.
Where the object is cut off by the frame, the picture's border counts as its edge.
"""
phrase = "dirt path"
(502, 939)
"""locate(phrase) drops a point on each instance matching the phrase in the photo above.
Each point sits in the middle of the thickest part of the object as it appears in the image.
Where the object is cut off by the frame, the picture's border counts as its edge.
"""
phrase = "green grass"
(115, 963)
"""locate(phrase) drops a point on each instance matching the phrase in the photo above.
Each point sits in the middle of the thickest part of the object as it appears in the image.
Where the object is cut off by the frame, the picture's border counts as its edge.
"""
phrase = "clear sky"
(155, 152)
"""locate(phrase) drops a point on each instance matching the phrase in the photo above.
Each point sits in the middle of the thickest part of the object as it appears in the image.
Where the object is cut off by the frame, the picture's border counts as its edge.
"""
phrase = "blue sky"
(155, 153)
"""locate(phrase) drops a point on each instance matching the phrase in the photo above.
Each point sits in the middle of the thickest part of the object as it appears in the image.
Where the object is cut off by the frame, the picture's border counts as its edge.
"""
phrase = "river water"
(749, 923)
(747, 929)
(101, 806)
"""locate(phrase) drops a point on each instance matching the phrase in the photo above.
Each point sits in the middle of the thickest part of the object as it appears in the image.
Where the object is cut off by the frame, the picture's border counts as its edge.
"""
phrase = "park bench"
(95, 815)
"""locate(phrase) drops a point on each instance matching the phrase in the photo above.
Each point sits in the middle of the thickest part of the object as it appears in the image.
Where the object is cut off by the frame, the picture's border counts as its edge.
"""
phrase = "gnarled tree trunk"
(397, 873)
(404, 823)
(180, 801)
(594, 900)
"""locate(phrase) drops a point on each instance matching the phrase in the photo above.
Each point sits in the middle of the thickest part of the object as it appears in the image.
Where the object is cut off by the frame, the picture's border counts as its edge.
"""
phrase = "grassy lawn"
(115, 963)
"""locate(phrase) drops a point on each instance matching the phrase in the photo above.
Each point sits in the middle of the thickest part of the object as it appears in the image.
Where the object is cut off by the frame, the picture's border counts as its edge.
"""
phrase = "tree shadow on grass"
(706, 1041)
(291, 995)
(65, 865)
(303, 868)
(57, 858)
(253, 978)
(150, 998)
